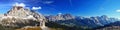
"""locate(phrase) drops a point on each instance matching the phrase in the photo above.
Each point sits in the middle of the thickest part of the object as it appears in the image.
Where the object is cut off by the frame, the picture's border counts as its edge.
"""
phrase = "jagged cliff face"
(19, 16)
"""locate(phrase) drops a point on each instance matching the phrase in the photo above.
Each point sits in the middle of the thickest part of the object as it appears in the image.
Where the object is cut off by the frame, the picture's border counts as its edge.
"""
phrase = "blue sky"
(110, 8)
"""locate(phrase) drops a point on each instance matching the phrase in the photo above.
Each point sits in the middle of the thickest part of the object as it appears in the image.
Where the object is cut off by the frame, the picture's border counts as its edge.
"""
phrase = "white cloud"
(36, 8)
(19, 4)
(118, 10)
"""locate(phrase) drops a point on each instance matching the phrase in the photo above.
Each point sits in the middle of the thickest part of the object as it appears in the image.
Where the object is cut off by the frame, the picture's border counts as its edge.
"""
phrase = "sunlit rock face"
(19, 16)
(19, 11)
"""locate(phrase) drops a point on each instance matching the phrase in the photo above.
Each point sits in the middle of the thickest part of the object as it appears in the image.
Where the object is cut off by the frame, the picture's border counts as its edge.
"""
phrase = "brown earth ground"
(37, 28)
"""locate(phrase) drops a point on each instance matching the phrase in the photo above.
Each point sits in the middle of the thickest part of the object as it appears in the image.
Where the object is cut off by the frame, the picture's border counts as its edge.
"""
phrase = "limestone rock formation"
(19, 16)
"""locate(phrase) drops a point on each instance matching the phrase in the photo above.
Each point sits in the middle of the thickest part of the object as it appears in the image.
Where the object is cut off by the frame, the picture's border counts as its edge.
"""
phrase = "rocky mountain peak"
(17, 7)
(104, 16)
(18, 11)
(20, 15)
(68, 16)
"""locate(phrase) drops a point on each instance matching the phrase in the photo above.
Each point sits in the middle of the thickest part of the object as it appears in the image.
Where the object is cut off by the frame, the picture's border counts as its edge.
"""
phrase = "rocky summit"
(19, 16)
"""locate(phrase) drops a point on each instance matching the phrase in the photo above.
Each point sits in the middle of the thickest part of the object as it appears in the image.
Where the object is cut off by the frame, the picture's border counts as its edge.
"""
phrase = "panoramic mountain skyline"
(87, 8)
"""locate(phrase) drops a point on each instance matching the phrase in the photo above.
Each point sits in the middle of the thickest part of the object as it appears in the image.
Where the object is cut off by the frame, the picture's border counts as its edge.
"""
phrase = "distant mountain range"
(60, 17)
(91, 22)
